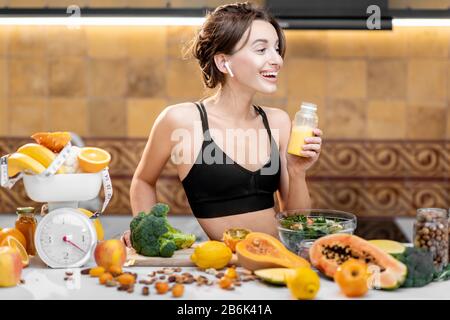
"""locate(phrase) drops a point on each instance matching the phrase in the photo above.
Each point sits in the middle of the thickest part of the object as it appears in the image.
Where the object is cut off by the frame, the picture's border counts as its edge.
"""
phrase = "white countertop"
(44, 283)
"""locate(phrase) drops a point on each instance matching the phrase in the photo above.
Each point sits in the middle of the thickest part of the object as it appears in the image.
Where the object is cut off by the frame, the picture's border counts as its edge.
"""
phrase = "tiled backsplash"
(369, 178)
(114, 81)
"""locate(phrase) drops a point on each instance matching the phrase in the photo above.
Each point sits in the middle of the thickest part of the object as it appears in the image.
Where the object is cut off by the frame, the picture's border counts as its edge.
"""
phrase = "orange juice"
(297, 139)
(305, 122)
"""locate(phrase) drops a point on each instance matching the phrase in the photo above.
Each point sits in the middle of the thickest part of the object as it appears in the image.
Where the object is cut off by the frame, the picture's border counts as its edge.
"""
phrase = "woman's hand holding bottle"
(309, 153)
(305, 141)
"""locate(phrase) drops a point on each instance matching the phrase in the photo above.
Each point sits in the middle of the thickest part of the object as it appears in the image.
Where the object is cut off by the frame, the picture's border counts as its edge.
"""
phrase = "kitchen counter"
(44, 283)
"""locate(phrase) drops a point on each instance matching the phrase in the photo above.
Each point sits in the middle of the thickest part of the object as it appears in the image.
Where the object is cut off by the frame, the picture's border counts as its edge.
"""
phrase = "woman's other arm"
(156, 153)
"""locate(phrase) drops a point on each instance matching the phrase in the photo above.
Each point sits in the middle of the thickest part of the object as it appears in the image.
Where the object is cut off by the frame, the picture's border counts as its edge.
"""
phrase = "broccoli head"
(166, 247)
(152, 235)
(420, 267)
(134, 223)
(182, 240)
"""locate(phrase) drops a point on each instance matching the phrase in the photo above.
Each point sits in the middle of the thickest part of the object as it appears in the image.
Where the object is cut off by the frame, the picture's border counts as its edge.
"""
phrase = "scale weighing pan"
(72, 187)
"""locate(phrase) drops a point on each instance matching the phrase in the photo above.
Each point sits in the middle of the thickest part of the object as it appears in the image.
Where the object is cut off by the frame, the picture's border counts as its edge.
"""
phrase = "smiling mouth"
(269, 76)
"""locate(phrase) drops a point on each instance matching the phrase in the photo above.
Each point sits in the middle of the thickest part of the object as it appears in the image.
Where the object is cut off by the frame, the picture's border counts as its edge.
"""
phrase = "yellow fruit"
(10, 267)
(304, 283)
(93, 159)
(97, 224)
(15, 244)
(39, 153)
(16, 233)
(18, 162)
(96, 272)
(211, 254)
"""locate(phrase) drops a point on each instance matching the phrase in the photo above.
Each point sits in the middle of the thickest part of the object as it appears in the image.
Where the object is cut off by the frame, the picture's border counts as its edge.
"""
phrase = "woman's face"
(256, 65)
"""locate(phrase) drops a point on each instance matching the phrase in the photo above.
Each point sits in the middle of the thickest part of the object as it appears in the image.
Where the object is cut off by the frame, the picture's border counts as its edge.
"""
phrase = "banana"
(39, 153)
(18, 162)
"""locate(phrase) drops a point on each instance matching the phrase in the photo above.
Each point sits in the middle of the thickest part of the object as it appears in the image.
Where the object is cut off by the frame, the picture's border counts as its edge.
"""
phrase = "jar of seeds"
(431, 233)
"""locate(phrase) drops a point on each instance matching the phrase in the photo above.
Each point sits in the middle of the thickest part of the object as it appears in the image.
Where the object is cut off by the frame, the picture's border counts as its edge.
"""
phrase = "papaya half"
(261, 251)
(328, 252)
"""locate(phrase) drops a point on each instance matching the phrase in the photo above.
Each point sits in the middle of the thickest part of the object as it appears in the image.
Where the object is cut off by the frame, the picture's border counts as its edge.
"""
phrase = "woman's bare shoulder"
(179, 115)
(278, 118)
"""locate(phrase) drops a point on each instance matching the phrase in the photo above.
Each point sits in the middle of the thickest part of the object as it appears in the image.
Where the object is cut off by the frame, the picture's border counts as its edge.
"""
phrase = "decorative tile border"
(369, 178)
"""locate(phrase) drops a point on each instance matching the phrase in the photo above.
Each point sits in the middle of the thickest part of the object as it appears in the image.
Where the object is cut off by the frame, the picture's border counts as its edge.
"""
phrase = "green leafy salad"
(310, 226)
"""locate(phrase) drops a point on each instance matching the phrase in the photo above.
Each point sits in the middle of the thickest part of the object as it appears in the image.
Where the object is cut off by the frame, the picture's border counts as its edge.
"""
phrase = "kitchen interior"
(383, 100)
(382, 96)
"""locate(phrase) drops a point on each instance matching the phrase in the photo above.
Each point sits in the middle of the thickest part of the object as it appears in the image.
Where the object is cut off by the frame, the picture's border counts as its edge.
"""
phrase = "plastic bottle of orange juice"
(306, 120)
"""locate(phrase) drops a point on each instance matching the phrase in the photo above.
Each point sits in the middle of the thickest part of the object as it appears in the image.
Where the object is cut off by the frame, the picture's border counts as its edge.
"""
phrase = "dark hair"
(220, 33)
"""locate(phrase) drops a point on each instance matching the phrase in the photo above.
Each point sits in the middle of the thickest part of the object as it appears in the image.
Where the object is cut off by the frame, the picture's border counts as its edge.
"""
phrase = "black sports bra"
(222, 187)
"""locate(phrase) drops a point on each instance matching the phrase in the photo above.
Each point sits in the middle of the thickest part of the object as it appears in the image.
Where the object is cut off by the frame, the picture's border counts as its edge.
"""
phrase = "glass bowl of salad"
(299, 228)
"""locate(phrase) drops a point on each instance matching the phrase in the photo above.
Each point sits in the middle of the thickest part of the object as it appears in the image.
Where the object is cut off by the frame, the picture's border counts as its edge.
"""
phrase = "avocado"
(275, 276)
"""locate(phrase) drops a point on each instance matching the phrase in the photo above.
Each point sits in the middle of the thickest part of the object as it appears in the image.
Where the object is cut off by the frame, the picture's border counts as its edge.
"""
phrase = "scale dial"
(65, 238)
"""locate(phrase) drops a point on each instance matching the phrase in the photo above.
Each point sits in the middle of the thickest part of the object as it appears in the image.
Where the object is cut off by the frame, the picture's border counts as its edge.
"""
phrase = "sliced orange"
(15, 244)
(14, 233)
(92, 159)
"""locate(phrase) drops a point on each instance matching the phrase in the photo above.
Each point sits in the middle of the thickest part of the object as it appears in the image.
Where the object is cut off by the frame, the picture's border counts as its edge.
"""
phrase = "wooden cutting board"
(181, 258)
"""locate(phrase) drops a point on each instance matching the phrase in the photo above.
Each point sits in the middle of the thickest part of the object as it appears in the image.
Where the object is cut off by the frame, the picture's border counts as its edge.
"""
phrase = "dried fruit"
(105, 277)
(115, 270)
(161, 287)
(111, 283)
(231, 273)
(96, 272)
(225, 283)
(177, 290)
(145, 291)
(126, 279)
(85, 271)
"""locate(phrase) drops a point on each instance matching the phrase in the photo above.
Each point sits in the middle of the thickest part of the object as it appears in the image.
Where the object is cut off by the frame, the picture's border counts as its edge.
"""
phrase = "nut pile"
(169, 279)
(431, 233)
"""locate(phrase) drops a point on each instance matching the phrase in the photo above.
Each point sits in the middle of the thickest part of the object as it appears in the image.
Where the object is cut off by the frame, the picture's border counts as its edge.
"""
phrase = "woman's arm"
(293, 192)
(156, 153)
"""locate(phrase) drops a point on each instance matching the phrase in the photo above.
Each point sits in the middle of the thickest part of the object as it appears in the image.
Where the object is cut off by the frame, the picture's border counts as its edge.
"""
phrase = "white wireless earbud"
(227, 66)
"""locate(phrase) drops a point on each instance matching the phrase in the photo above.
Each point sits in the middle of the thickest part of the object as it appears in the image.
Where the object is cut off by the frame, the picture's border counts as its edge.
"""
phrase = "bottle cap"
(309, 106)
(25, 210)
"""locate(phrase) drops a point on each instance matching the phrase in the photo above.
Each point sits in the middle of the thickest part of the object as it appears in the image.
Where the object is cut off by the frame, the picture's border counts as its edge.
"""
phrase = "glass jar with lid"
(306, 120)
(26, 223)
(431, 233)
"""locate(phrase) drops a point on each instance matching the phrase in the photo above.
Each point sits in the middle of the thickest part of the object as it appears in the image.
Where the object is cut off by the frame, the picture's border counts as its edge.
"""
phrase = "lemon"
(97, 224)
(304, 283)
(211, 254)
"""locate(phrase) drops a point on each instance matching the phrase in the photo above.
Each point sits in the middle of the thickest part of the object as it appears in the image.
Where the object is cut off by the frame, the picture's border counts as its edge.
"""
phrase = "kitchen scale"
(65, 237)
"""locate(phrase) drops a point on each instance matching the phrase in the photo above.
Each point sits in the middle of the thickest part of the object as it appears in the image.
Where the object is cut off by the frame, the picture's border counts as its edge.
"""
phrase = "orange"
(93, 159)
(15, 233)
(352, 276)
(15, 244)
